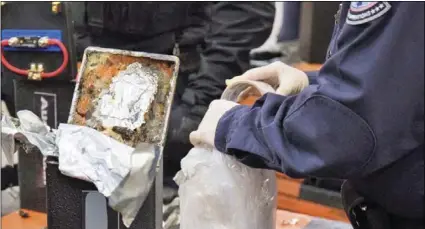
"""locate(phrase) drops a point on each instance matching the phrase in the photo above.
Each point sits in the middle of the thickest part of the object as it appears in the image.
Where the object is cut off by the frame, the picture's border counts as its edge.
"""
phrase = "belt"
(364, 214)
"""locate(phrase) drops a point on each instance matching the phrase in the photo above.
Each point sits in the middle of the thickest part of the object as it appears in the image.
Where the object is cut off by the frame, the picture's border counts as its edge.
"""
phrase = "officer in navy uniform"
(363, 121)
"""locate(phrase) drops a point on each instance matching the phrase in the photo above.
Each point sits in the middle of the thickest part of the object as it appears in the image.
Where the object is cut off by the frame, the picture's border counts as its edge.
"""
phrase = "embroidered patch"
(362, 12)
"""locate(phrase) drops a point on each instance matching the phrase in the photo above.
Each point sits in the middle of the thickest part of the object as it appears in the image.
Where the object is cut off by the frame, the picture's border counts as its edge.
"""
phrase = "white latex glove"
(205, 134)
(285, 79)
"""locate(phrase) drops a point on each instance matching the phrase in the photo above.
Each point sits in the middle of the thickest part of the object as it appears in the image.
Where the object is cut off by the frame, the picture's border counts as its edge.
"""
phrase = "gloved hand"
(285, 79)
(205, 133)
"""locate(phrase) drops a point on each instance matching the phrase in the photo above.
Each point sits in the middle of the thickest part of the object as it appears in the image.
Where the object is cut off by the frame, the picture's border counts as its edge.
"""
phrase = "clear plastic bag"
(218, 192)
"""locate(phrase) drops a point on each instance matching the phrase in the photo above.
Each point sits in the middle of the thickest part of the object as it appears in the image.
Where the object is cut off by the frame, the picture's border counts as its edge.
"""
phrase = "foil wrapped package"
(126, 95)
(127, 99)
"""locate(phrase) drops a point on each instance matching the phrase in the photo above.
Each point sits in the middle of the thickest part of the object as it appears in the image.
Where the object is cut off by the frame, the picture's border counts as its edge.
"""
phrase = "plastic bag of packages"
(218, 192)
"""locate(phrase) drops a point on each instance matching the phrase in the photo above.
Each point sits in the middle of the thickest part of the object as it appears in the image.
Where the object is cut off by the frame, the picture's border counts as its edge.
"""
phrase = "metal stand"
(74, 203)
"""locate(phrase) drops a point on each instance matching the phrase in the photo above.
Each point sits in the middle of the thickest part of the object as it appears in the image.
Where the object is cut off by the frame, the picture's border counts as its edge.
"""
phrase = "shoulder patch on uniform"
(363, 12)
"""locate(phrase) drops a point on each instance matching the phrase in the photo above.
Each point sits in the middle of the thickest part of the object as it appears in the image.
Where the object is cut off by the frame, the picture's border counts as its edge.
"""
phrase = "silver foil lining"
(128, 98)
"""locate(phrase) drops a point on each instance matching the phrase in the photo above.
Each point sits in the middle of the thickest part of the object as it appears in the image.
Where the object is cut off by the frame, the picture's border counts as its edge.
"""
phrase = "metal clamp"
(43, 42)
(28, 42)
(35, 71)
(56, 7)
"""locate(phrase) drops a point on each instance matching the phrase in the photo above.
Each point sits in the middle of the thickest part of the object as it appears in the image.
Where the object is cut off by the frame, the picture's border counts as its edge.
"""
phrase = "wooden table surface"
(35, 220)
(307, 67)
(284, 220)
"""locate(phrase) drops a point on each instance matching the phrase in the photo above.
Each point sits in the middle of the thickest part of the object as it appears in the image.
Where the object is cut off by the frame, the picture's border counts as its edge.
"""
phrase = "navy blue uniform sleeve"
(312, 77)
(365, 113)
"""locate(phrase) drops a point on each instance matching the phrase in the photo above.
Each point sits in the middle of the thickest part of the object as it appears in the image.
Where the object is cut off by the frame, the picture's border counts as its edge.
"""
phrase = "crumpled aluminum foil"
(89, 155)
(120, 172)
(8, 130)
(129, 196)
(28, 129)
(128, 98)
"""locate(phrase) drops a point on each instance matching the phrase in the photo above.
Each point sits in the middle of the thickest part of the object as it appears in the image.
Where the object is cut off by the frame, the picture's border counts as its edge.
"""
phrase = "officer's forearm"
(303, 135)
